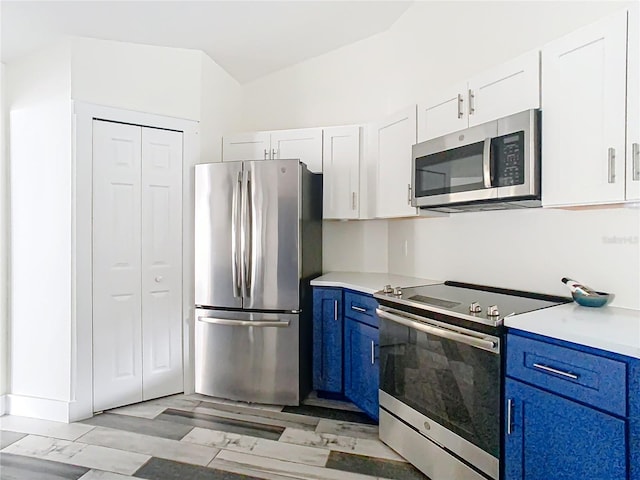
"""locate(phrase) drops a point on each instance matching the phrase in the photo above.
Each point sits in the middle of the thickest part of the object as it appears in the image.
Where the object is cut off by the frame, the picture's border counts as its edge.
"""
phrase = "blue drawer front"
(588, 378)
(361, 307)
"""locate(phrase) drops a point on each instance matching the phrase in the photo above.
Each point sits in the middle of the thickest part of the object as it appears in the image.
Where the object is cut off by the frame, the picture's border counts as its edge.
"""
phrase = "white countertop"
(368, 282)
(608, 328)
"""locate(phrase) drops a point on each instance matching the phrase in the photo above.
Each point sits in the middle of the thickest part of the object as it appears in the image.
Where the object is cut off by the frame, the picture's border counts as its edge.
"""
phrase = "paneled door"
(137, 204)
(117, 330)
(161, 262)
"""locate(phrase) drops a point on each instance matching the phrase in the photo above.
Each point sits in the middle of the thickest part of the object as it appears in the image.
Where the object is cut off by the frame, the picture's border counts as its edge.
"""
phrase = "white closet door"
(117, 344)
(161, 262)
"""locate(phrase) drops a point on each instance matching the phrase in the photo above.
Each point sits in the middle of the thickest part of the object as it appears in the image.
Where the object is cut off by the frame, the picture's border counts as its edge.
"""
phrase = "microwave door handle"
(486, 163)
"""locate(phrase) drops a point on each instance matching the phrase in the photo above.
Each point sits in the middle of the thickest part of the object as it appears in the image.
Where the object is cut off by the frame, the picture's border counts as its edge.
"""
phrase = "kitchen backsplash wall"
(355, 246)
(525, 249)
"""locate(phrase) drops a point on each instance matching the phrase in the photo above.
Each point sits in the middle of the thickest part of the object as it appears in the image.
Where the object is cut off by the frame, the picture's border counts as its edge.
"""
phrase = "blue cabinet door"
(549, 437)
(361, 366)
(327, 339)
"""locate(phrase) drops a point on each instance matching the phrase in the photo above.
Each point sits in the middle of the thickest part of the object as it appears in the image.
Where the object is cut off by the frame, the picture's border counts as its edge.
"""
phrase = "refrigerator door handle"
(249, 221)
(243, 235)
(244, 323)
(235, 226)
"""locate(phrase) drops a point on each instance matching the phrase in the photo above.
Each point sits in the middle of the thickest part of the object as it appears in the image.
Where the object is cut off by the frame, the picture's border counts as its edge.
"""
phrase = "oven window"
(455, 170)
(452, 383)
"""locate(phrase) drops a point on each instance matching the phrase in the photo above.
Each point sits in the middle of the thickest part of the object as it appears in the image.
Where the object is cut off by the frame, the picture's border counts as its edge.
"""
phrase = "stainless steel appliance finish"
(495, 165)
(248, 355)
(258, 234)
(440, 374)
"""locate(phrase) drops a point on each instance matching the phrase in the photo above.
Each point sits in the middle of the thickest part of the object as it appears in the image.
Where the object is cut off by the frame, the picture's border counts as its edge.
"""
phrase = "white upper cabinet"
(392, 142)
(633, 107)
(443, 112)
(501, 91)
(583, 115)
(341, 172)
(304, 144)
(246, 146)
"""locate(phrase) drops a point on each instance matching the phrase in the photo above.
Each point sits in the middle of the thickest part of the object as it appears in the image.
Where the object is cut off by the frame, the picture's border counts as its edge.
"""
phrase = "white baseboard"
(42, 408)
(3, 404)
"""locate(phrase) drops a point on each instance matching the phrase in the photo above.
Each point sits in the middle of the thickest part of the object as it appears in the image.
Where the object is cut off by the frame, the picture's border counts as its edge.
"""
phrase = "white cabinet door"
(504, 90)
(341, 172)
(161, 262)
(633, 106)
(443, 112)
(304, 143)
(117, 333)
(395, 137)
(246, 146)
(583, 120)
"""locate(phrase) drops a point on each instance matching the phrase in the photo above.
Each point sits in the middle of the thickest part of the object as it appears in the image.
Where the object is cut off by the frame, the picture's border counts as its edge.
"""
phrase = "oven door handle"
(483, 343)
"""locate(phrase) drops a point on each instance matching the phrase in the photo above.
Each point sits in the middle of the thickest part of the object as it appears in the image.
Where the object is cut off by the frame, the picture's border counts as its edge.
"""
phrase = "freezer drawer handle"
(244, 323)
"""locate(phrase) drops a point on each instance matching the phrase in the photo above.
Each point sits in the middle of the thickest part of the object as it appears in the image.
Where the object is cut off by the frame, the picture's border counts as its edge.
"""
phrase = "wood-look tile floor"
(189, 437)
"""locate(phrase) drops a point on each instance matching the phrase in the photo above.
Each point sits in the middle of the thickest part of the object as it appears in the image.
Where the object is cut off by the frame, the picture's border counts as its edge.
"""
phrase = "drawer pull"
(358, 309)
(570, 375)
(335, 309)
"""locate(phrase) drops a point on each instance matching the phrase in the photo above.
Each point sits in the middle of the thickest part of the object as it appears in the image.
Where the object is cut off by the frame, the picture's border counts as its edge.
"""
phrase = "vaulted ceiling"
(248, 39)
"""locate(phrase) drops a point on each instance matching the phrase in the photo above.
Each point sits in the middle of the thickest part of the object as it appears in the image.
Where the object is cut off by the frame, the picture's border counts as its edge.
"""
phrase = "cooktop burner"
(476, 303)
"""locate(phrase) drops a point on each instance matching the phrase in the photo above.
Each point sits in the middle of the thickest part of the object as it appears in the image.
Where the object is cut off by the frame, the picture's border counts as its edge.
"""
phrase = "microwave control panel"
(508, 153)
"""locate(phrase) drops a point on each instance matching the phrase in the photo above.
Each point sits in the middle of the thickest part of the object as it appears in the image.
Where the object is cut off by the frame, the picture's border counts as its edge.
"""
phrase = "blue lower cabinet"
(548, 437)
(327, 340)
(361, 365)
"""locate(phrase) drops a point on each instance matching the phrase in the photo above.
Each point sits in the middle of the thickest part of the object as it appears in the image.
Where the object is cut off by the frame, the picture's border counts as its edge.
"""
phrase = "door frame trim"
(84, 113)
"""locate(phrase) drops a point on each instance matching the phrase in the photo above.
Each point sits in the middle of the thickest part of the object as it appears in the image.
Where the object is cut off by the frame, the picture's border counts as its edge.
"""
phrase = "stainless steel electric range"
(441, 374)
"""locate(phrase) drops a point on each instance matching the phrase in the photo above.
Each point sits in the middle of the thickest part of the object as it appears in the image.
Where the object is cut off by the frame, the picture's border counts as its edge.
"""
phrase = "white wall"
(4, 232)
(38, 90)
(221, 108)
(142, 78)
(432, 45)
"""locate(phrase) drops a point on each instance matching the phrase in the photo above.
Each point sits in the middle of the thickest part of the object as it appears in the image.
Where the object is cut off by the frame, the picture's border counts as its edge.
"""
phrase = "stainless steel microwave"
(491, 166)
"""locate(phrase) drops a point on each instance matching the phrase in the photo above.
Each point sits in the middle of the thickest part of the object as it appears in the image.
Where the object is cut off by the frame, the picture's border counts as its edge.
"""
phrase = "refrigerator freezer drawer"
(252, 357)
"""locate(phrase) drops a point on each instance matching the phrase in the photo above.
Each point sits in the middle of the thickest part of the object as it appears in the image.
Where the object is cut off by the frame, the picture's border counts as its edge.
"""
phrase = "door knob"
(158, 279)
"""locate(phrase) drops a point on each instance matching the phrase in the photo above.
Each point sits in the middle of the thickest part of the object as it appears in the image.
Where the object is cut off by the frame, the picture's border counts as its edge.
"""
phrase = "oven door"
(449, 378)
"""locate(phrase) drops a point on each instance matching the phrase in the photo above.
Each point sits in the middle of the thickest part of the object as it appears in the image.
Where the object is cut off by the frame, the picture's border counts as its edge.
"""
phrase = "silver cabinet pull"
(358, 309)
(409, 194)
(612, 164)
(509, 416)
(274, 154)
(353, 200)
(243, 323)
(335, 309)
(546, 368)
(460, 100)
(266, 153)
(373, 359)
(472, 103)
(635, 154)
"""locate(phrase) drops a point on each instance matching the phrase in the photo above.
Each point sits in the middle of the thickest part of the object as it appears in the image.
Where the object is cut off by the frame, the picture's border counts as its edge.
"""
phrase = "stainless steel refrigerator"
(258, 244)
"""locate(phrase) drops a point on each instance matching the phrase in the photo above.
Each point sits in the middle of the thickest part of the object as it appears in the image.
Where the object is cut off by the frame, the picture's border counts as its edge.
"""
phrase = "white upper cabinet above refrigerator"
(506, 89)
(341, 173)
(304, 144)
(583, 115)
